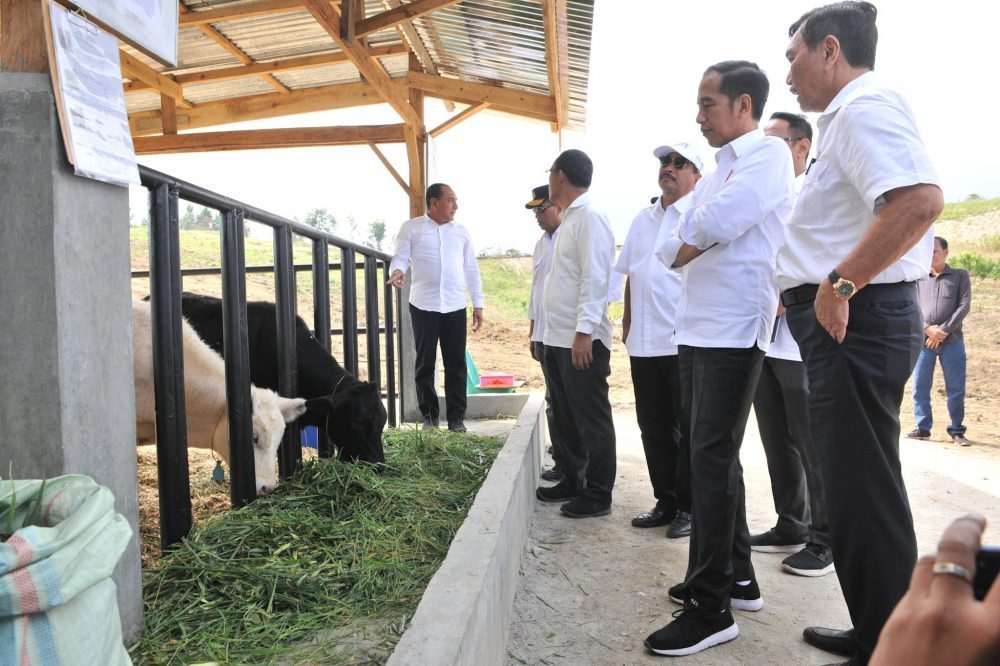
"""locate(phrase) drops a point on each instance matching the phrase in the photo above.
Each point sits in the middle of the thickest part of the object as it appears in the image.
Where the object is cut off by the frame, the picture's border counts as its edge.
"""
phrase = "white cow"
(205, 400)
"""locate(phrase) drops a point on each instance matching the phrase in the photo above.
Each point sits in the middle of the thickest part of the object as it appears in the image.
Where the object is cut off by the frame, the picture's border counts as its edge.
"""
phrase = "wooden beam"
(388, 165)
(133, 68)
(329, 18)
(168, 111)
(293, 137)
(258, 68)
(410, 35)
(22, 37)
(256, 107)
(400, 14)
(557, 57)
(530, 105)
(460, 117)
(247, 10)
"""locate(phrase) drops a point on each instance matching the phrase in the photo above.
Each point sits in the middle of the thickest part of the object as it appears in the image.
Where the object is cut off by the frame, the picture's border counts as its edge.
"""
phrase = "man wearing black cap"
(549, 217)
(651, 293)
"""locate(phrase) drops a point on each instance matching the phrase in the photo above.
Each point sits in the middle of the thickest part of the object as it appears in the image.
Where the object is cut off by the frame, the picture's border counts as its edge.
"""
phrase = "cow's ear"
(291, 408)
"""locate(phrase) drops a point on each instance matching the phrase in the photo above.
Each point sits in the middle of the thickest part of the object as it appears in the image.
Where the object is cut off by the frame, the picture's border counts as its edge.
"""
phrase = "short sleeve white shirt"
(868, 145)
(728, 296)
(575, 293)
(783, 345)
(541, 262)
(653, 288)
(443, 263)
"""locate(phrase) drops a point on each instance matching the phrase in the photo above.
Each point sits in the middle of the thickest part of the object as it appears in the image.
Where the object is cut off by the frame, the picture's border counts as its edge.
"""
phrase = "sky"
(647, 59)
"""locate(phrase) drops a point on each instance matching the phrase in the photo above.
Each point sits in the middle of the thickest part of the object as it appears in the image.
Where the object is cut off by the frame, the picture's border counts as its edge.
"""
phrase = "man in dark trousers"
(858, 241)
(440, 255)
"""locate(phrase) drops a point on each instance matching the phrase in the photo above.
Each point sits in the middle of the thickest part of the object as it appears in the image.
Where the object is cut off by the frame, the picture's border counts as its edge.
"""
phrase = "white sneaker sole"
(812, 573)
(752, 605)
(791, 548)
(724, 636)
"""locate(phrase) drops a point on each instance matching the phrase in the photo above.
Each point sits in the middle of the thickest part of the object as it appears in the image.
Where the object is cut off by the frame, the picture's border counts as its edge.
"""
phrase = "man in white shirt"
(781, 405)
(577, 342)
(549, 218)
(651, 293)
(859, 238)
(439, 253)
(725, 245)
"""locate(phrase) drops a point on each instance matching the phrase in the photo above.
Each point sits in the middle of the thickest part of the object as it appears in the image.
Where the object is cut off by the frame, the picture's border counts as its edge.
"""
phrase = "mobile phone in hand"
(987, 566)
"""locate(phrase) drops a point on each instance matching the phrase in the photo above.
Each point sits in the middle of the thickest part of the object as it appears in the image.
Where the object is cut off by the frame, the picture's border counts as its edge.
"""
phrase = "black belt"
(805, 293)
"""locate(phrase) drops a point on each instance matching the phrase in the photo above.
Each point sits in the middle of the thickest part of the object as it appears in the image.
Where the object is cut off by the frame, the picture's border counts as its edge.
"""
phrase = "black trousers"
(855, 392)
(782, 408)
(717, 387)
(663, 425)
(450, 329)
(583, 420)
(550, 419)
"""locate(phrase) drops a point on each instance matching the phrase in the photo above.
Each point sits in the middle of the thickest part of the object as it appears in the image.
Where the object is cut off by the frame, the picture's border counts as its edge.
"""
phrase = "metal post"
(168, 366)
(390, 352)
(321, 320)
(372, 337)
(349, 298)
(242, 474)
(401, 383)
(290, 453)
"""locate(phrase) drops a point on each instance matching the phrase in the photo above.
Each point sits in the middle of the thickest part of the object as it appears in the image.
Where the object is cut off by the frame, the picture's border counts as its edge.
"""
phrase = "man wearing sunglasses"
(724, 245)
(651, 293)
(549, 217)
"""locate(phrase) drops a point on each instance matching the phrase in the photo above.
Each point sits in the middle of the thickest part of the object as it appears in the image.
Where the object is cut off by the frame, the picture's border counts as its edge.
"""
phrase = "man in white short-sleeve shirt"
(440, 255)
(725, 245)
(651, 293)
(860, 236)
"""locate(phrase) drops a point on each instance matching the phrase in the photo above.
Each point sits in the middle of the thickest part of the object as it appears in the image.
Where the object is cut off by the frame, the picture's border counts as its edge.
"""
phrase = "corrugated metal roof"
(495, 42)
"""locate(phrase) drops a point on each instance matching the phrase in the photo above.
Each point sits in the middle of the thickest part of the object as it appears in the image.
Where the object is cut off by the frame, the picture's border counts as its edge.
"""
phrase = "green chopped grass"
(335, 544)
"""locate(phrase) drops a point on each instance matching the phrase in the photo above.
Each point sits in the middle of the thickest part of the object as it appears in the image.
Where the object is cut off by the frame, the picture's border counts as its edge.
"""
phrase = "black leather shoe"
(655, 517)
(832, 640)
(680, 526)
(552, 474)
(560, 492)
(584, 507)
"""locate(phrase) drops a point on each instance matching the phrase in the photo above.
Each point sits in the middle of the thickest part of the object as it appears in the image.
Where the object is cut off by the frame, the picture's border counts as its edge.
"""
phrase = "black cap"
(539, 195)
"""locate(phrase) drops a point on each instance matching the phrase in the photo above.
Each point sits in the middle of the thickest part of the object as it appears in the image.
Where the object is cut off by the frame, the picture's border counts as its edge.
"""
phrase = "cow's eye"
(256, 438)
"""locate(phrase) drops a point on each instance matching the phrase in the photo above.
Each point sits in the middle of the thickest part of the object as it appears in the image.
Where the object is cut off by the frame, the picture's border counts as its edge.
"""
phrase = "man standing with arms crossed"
(726, 242)
(439, 252)
(578, 342)
(651, 293)
(857, 242)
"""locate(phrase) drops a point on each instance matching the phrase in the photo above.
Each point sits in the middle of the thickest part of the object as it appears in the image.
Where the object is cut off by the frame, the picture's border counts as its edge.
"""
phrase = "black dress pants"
(550, 419)
(855, 392)
(583, 419)
(656, 381)
(717, 387)
(450, 329)
(781, 404)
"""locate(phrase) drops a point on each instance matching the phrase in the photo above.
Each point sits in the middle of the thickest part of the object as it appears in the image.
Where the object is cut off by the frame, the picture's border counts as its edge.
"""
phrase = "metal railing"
(165, 286)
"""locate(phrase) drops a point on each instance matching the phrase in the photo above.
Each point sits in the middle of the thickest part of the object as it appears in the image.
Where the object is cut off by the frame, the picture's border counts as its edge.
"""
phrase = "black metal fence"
(165, 287)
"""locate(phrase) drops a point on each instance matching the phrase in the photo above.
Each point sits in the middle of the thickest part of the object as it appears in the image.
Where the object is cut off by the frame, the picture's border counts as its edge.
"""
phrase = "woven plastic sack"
(58, 604)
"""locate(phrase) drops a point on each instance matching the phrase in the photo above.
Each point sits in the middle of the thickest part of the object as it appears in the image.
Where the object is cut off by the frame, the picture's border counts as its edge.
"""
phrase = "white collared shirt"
(653, 288)
(443, 264)
(783, 345)
(728, 297)
(541, 262)
(868, 145)
(575, 295)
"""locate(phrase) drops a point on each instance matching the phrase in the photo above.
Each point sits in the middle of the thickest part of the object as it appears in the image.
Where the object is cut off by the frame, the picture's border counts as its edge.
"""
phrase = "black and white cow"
(348, 410)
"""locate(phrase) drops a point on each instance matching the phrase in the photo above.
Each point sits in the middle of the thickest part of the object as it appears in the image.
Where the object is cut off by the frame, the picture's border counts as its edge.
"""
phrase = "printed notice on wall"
(87, 80)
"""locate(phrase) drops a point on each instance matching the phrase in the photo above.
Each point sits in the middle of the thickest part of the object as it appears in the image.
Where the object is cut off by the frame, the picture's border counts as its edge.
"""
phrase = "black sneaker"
(692, 631)
(918, 433)
(773, 541)
(813, 560)
(741, 597)
(552, 474)
(585, 507)
(560, 492)
(680, 526)
(655, 517)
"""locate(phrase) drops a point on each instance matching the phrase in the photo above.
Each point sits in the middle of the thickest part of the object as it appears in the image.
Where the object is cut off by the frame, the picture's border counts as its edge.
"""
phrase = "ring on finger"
(952, 569)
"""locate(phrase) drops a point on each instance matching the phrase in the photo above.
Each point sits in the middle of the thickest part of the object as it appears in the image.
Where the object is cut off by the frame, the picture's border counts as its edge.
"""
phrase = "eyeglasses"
(677, 161)
(537, 210)
(791, 139)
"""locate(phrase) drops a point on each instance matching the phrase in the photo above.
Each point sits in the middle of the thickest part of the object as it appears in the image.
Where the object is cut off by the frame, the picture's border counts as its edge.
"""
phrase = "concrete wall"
(464, 615)
(66, 399)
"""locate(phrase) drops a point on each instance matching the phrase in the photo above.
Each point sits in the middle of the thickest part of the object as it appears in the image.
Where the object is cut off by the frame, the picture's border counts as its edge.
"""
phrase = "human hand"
(931, 343)
(938, 621)
(936, 333)
(396, 279)
(582, 351)
(831, 312)
(477, 319)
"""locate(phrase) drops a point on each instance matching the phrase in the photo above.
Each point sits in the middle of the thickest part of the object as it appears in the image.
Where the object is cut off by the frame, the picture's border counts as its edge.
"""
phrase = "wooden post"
(22, 40)
(416, 142)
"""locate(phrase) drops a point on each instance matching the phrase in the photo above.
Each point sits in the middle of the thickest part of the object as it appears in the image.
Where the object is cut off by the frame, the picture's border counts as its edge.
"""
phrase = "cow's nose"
(265, 490)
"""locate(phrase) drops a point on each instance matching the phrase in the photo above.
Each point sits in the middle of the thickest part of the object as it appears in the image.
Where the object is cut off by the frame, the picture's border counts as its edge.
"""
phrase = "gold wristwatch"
(842, 287)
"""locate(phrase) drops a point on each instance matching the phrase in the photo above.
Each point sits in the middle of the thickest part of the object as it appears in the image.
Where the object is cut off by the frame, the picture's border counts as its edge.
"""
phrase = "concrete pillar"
(408, 355)
(66, 399)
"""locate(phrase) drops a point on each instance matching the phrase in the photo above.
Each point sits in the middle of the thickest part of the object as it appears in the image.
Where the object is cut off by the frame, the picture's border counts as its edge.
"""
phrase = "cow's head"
(270, 414)
(353, 418)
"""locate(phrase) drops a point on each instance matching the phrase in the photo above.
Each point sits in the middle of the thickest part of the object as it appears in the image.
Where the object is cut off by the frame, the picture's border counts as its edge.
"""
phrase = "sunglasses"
(677, 161)
(537, 210)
